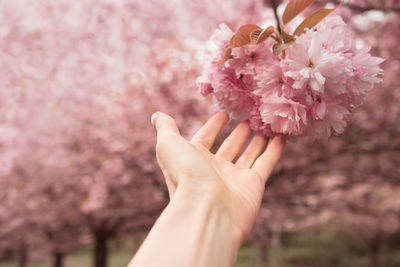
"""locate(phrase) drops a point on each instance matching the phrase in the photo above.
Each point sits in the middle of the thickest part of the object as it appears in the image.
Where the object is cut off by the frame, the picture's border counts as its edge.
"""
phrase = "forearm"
(192, 231)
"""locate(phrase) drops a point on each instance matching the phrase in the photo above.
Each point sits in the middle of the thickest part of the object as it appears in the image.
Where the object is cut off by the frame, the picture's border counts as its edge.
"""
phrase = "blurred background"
(79, 184)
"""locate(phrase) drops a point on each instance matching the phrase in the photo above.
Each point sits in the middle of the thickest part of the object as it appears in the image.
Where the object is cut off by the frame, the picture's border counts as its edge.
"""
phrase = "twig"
(274, 7)
(370, 7)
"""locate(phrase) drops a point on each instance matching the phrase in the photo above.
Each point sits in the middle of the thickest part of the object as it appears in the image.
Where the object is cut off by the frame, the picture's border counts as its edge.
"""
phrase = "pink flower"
(366, 70)
(219, 41)
(318, 110)
(256, 123)
(232, 94)
(312, 66)
(204, 82)
(270, 80)
(247, 58)
(205, 87)
(334, 121)
(284, 115)
(335, 36)
(312, 90)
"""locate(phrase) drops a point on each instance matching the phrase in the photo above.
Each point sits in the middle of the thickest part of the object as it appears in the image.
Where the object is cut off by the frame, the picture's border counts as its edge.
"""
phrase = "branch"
(369, 7)
(274, 7)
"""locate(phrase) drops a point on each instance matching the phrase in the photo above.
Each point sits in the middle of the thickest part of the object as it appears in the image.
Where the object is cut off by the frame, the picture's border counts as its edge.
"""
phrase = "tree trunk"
(136, 242)
(264, 253)
(22, 256)
(374, 251)
(276, 239)
(58, 259)
(101, 249)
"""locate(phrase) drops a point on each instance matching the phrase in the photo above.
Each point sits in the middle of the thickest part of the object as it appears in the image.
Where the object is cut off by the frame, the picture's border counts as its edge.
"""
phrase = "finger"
(208, 133)
(164, 124)
(267, 161)
(234, 143)
(253, 151)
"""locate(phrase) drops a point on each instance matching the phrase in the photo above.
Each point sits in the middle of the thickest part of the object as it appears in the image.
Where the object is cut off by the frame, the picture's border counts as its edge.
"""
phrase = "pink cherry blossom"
(232, 94)
(284, 115)
(270, 79)
(366, 70)
(255, 120)
(313, 89)
(247, 59)
(312, 66)
(334, 120)
(318, 110)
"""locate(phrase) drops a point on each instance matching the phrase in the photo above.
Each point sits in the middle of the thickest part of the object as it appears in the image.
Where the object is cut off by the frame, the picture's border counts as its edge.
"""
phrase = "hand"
(190, 167)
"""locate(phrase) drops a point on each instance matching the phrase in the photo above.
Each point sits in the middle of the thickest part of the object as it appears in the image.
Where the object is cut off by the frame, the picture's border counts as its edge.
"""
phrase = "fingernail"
(154, 118)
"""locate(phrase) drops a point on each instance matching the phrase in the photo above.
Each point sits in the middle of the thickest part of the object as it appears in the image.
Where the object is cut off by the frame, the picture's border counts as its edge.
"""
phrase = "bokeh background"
(79, 184)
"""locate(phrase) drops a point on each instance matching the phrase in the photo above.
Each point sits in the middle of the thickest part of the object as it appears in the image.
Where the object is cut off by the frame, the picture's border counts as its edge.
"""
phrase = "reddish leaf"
(314, 19)
(293, 8)
(254, 35)
(259, 36)
(287, 38)
(246, 34)
(243, 35)
(226, 56)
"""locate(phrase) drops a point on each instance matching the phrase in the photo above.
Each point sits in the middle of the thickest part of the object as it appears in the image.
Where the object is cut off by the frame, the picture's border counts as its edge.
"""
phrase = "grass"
(318, 249)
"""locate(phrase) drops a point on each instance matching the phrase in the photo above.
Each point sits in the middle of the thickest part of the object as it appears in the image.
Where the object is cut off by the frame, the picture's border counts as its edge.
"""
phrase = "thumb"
(164, 124)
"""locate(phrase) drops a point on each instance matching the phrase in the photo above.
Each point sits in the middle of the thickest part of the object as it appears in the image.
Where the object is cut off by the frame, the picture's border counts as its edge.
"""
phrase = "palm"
(246, 189)
(192, 165)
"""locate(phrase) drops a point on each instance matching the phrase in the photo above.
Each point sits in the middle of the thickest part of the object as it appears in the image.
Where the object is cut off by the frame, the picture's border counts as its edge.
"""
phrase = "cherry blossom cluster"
(311, 88)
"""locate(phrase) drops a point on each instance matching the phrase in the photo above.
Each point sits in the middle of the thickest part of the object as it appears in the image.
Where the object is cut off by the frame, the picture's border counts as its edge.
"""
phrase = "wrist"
(209, 215)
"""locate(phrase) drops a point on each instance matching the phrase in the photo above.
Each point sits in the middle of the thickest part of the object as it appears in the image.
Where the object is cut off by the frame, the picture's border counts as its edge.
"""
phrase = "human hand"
(237, 187)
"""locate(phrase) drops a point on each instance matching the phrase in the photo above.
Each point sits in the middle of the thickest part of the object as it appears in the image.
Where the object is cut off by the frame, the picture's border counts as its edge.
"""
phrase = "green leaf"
(293, 8)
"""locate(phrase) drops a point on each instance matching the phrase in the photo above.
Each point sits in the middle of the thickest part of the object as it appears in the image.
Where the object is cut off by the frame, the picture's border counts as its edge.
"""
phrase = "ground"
(318, 249)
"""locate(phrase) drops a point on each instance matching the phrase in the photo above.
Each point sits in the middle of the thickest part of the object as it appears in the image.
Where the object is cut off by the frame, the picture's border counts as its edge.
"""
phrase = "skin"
(214, 199)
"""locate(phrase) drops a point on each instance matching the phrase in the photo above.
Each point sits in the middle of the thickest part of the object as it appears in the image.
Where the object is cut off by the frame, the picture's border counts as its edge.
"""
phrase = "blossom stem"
(274, 7)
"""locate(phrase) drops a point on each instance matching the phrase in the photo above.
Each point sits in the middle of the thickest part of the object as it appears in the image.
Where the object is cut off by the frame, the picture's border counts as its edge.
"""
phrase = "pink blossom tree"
(80, 84)
(79, 81)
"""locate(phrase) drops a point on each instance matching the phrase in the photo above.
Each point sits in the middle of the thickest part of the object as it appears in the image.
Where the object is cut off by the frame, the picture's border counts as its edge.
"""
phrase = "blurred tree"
(79, 81)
